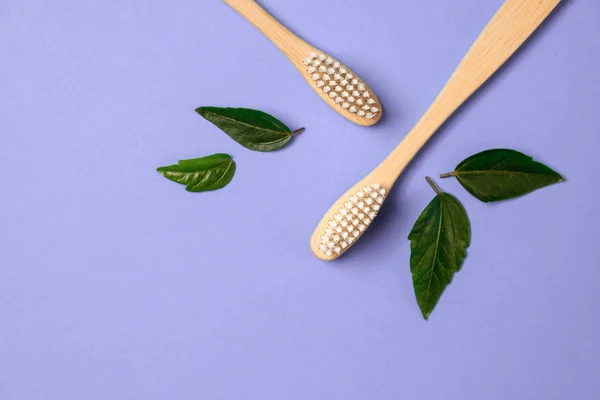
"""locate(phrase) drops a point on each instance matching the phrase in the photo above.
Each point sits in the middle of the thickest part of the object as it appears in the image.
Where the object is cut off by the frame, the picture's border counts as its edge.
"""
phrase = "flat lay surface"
(116, 283)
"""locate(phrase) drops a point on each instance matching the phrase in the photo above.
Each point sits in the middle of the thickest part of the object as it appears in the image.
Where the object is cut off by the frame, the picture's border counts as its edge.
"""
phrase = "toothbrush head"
(347, 220)
(342, 89)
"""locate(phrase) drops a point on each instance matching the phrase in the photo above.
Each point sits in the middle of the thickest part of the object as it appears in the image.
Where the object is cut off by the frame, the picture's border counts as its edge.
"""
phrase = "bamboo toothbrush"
(341, 88)
(352, 213)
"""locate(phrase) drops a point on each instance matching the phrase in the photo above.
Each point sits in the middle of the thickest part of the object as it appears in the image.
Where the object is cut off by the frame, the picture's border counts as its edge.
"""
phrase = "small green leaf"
(201, 174)
(253, 129)
(439, 242)
(501, 174)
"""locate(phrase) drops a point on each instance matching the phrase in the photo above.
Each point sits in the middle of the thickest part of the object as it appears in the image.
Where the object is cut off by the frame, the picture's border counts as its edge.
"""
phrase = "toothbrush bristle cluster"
(337, 82)
(351, 220)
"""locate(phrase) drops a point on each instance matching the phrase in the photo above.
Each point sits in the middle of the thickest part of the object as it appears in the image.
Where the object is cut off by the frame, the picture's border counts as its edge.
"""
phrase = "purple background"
(117, 284)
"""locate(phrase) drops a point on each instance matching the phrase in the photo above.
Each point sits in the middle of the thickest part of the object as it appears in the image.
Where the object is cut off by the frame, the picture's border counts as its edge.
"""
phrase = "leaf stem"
(448, 175)
(433, 185)
(297, 131)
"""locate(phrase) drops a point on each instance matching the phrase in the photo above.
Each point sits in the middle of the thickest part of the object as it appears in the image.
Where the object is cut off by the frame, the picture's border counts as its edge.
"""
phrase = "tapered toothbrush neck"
(413, 142)
(290, 44)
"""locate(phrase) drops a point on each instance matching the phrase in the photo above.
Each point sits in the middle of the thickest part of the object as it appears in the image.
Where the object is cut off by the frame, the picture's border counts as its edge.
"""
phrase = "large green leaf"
(253, 129)
(201, 174)
(501, 174)
(439, 242)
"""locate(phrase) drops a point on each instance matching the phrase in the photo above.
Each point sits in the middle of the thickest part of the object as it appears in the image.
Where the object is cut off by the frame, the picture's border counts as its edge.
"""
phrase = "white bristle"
(332, 224)
(340, 85)
(359, 217)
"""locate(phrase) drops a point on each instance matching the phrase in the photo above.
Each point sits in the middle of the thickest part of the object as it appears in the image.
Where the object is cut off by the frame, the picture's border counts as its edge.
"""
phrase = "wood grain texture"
(510, 27)
(296, 50)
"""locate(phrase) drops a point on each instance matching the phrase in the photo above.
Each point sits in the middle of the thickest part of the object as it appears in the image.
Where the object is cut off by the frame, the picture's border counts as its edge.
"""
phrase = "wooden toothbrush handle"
(514, 22)
(290, 44)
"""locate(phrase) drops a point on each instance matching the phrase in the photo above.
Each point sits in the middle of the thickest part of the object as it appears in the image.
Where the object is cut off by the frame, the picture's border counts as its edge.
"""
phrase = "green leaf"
(253, 129)
(201, 174)
(501, 174)
(439, 242)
